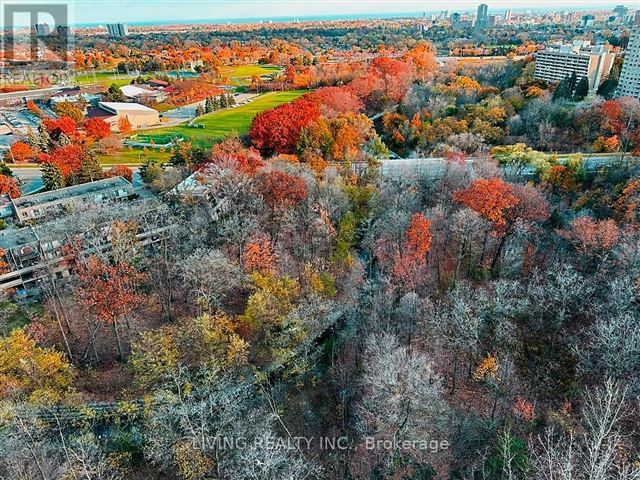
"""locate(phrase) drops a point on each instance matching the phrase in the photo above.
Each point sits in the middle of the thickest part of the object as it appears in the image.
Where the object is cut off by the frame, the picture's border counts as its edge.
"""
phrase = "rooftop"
(133, 91)
(126, 107)
(70, 192)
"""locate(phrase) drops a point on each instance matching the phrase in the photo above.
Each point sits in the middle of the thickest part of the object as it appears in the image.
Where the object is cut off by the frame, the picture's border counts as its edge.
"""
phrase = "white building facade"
(629, 84)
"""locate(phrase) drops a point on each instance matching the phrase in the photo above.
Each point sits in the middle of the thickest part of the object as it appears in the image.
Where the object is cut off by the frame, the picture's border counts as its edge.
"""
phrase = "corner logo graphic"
(34, 32)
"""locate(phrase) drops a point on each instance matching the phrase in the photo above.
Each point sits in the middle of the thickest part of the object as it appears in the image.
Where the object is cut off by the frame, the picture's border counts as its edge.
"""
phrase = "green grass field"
(103, 78)
(224, 123)
(133, 156)
(241, 75)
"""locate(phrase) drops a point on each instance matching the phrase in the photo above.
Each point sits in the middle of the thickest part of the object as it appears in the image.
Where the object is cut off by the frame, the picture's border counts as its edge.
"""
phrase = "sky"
(136, 11)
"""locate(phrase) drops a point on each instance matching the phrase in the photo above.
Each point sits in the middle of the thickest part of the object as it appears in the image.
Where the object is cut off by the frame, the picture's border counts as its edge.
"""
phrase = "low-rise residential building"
(48, 205)
(557, 62)
(36, 255)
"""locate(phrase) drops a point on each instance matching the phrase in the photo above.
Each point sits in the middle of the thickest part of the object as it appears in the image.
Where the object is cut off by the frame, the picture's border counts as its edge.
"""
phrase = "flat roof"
(70, 192)
(134, 91)
(126, 107)
(15, 237)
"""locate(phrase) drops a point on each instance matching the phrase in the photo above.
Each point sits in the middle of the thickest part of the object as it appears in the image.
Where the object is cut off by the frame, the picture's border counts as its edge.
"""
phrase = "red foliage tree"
(591, 236)
(411, 259)
(97, 128)
(9, 186)
(68, 159)
(281, 190)
(120, 171)
(278, 130)
(491, 198)
(60, 125)
(109, 292)
(336, 100)
(232, 152)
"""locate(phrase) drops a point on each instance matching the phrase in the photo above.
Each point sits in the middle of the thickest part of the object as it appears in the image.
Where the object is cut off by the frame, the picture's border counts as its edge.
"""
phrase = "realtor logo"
(34, 32)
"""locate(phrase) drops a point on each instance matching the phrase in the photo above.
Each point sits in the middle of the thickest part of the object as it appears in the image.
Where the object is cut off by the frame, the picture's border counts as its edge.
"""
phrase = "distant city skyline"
(101, 12)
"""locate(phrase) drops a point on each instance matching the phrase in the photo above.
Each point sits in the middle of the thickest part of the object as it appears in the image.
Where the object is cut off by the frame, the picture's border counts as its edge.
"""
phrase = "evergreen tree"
(63, 140)
(582, 89)
(224, 103)
(607, 89)
(51, 176)
(208, 105)
(200, 111)
(114, 94)
(573, 81)
(42, 140)
(215, 103)
(91, 170)
(563, 90)
(150, 170)
(231, 100)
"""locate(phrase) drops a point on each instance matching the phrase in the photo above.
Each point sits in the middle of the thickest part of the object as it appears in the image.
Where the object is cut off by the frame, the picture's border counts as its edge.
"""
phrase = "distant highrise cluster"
(629, 83)
(482, 18)
(118, 30)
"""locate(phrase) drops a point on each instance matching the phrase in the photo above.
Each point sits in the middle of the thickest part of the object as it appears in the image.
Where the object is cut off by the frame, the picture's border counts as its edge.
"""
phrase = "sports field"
(217, 125)
(103, 78)
(134, 156)
(240, 75)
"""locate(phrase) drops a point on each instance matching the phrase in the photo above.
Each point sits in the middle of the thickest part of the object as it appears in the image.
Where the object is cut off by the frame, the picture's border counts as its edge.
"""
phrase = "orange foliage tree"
(491, 198)
(259, 256)
(411, 258)
(21, 152)
(9, 186)
(97, 128)
(64, 125)
(68, 159)
(109, 292)
(120, 171)
(281, 190)
(124, 125)
(503, 204)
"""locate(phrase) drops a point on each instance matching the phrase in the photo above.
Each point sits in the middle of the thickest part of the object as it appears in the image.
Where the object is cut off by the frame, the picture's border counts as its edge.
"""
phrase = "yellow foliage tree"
(43, 375)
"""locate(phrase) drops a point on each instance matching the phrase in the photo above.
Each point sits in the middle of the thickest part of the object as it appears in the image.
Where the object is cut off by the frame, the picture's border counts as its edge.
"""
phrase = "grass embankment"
(223, 123)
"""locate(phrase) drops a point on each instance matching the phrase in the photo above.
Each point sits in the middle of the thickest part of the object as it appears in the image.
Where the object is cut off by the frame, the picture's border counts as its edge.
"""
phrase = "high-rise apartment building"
(118, 29)
(482, 17)
(557, 62)
(42, 29)
(629, 83)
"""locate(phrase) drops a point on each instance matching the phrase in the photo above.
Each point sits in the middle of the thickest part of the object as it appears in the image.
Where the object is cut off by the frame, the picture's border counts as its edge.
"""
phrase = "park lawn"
(103, 78)
(240, 75)
(134, 156)
(224, 123)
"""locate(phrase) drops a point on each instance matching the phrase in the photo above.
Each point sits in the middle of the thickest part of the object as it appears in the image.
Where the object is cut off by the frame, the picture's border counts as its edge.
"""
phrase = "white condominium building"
(560, 61)
(629, 84)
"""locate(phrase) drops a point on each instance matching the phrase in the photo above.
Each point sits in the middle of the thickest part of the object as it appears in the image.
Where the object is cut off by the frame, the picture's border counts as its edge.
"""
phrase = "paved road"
(37, 93)
(433, 166)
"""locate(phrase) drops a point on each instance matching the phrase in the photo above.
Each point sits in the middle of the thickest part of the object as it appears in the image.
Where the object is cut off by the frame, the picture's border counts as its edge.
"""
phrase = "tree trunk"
(118, 343)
